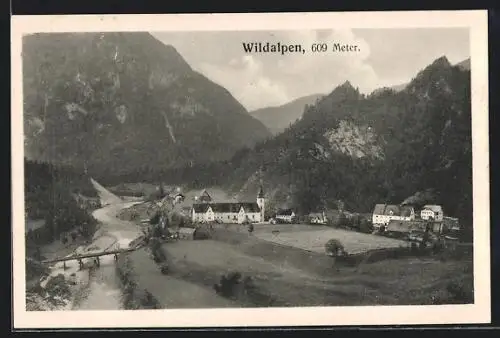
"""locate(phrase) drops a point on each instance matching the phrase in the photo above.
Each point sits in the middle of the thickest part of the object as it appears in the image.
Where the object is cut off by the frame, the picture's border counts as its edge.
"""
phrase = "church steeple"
(261, 192)
(261, 202)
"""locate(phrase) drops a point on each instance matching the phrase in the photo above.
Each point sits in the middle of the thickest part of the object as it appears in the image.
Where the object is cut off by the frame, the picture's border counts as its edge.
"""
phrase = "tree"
(342, 220)
(161, 190)
(155, 219)
(334, 248)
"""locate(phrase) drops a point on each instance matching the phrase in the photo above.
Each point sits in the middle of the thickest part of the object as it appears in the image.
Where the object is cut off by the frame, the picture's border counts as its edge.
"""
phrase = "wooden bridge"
(95, 255)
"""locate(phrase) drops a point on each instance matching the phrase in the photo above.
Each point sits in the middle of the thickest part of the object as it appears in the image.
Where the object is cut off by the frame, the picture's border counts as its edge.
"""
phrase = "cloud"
(321, 72)
(259, 80)
(246, 80)
(265, 79)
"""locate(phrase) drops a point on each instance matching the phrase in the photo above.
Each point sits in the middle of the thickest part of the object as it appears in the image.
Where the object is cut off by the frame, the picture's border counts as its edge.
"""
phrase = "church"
(206, 210)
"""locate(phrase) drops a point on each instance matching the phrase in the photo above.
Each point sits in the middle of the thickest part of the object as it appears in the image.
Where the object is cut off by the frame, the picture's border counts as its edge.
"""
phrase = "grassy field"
(172, 292)
(314, 238)
(288, 276)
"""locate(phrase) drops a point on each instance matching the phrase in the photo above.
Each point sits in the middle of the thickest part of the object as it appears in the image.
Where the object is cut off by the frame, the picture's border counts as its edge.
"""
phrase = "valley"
(311, 203)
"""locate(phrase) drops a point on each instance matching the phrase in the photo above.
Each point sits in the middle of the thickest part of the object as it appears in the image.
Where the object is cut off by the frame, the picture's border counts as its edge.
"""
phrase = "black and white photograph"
(330, 167)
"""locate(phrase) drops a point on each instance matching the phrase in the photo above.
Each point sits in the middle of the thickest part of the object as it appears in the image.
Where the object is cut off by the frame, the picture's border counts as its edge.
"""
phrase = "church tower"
(261, 202)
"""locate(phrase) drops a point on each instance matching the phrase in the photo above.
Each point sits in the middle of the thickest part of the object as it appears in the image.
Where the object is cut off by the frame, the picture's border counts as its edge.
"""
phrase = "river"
(103, 287)
(100, 288)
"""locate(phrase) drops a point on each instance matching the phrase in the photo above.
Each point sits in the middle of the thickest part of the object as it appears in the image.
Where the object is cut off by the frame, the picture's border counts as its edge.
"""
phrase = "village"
(427, 226)
(231, 252)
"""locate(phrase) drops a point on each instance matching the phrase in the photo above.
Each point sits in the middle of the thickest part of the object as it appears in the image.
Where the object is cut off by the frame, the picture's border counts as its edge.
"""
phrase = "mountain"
(464, 65)
(399, 87)
(116, 102)
(276, 119)
(363, 150)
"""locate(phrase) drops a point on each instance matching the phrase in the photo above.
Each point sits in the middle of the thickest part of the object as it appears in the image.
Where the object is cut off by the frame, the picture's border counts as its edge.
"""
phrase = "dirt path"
(105, 195)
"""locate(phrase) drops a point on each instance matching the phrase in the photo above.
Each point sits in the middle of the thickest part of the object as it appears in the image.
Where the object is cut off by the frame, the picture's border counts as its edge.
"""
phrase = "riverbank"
(65, 286)
(147, 287)
(134, 297)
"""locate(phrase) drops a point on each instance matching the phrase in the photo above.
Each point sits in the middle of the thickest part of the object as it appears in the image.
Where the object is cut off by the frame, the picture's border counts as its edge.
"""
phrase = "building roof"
(392, 209)
(205, 196)
(227, 207)
(434, 208)
(379, 209)
(285, 212)
(406, 211)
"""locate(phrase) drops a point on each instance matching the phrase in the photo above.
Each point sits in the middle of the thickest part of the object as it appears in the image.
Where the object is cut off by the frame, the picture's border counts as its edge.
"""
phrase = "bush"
(334, 248)
(228, 283)
(164, 269)
(35, 269)
(202, 232)
(366, 226)
(157, 251)
(57, 286)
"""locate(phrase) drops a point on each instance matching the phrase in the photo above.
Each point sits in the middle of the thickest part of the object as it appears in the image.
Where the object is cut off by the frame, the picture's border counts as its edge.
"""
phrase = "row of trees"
(48, 196)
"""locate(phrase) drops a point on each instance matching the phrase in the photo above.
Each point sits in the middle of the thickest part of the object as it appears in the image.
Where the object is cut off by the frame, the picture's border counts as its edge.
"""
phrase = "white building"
(317, 218)
(285, 215)
(384, 213)
(432, 211)
(229, 212)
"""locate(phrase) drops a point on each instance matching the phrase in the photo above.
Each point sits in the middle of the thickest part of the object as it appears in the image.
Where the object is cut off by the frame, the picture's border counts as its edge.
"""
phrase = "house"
(285, 215)
(384, 213)
(434, 212)
(227, 212)
(317, 218)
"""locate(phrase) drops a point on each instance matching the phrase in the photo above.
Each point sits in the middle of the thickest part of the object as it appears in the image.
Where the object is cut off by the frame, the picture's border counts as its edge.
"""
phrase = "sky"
(386, 57)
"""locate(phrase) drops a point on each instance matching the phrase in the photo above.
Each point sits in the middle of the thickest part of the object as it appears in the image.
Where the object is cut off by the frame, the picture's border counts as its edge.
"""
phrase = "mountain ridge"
(464, 65)
(114, 101)
(366, 149)
(277, 118)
